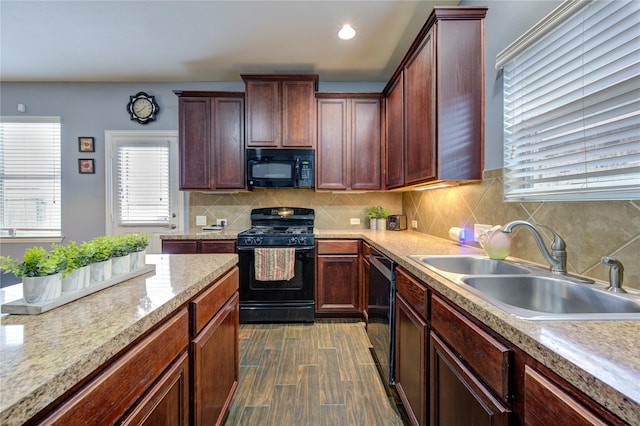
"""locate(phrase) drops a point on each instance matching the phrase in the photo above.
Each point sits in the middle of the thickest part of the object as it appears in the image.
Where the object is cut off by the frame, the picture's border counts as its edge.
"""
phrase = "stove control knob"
(293, 241)
(302, 240)
(258, 241)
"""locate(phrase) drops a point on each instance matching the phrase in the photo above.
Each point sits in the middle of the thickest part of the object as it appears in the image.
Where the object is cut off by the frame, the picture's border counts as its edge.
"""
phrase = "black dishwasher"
(381, 312)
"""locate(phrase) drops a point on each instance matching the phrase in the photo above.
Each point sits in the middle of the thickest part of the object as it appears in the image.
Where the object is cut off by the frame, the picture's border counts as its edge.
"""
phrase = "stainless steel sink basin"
(542, 297)
(469, 265)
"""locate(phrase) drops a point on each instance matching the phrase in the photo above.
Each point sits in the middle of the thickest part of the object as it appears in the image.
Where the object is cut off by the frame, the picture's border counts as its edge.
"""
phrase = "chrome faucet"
(557, 258)
(615, 274)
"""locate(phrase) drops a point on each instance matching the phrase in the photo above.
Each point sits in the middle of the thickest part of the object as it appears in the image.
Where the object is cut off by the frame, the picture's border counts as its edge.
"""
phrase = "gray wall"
(504, 23)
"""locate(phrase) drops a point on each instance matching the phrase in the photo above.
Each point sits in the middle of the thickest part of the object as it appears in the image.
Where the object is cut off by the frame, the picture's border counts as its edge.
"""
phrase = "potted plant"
(138, 244)
(379, 215)
(77, 271)
(98, 251)
(372, 215)
(120, 259)
(40, 271)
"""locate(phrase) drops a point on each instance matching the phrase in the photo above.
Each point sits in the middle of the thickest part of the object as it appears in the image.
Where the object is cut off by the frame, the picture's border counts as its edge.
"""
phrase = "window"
(143, 183)
(30, 177)
(572, 105)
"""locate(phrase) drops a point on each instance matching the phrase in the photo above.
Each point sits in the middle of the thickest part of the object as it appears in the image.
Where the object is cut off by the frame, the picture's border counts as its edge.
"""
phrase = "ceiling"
(211, 40)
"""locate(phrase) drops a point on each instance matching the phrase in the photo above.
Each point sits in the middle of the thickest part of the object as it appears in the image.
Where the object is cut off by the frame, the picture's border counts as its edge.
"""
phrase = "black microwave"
(280, 168)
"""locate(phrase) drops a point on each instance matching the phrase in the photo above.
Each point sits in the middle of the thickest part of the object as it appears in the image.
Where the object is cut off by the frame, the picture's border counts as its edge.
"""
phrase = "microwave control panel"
(306, 174)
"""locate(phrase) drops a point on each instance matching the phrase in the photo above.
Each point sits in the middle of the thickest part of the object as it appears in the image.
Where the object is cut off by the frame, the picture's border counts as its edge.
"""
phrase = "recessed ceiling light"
(347, 32)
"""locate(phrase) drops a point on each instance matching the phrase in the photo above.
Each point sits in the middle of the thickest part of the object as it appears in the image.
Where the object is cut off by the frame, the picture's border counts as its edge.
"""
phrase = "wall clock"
(142, 108)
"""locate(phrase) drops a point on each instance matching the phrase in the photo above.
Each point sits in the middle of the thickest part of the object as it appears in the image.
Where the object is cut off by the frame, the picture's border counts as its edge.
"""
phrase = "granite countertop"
(224, 234)
(42, 356)
(601, 358)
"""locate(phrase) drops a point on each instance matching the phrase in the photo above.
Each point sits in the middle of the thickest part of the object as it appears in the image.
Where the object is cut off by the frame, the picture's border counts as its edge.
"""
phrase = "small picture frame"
(86, 144)
(86, 166)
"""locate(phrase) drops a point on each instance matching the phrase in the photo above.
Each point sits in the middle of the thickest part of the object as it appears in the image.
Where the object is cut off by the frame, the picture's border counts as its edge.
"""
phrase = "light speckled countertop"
(601, 358)
(42, 356)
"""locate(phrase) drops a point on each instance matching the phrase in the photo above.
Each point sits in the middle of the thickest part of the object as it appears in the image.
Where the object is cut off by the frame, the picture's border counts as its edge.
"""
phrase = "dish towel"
(274, 264)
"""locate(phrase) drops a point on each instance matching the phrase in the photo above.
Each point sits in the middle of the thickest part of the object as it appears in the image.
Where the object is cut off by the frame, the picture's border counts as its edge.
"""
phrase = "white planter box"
(120, 265)
(42, 289)
(100, 271)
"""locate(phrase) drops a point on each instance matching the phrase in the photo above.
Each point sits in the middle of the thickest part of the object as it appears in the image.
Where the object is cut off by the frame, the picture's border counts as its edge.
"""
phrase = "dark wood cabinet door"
(365, 143)
(227, 133)
(167, 403)
(195, 143)
(218, 246)
(337, 284)
(420, 113)
(263, 113)
(298, 114)
(458, 397)
(215, 361)
(546, 403)
(179, 246)
(332, 153)
(394, 158)
(411, 361)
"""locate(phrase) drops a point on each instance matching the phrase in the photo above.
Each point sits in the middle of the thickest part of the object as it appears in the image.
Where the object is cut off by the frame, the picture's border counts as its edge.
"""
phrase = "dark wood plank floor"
(308, 375)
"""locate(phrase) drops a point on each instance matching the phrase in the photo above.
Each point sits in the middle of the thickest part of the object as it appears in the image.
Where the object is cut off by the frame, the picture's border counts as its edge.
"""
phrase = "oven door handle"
(298, 249)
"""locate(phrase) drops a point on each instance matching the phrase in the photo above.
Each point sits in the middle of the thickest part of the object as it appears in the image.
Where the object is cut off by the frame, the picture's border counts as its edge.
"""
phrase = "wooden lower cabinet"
(458, 397)
(338, 287)
(215, 357)
(546, 403)
(198, 246)
(411, 361)
(168, 402)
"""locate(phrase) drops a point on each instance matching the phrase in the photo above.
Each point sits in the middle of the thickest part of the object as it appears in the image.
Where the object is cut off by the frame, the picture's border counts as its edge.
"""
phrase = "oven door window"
(300, 287)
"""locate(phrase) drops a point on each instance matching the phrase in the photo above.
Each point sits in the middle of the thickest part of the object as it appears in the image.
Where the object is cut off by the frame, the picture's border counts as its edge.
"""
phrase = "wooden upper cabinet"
(280, 110)
(419, 106)
(394, 159)
(211, 135)
(349, 141)
(440, 85)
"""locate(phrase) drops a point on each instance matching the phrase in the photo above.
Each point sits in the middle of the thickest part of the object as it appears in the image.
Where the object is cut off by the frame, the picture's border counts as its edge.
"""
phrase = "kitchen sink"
(542, 297)
(469, 265)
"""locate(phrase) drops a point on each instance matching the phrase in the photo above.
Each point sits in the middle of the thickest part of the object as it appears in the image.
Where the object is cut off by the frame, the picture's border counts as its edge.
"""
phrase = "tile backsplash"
(590, 229)
(333, 210)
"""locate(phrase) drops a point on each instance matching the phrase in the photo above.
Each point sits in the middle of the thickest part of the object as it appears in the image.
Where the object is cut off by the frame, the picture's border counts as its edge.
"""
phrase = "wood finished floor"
(308, 375)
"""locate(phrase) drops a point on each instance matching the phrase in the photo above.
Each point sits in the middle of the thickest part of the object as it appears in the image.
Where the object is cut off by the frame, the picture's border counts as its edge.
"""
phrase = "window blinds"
(572, 108)
(143, 184)
(30, 176)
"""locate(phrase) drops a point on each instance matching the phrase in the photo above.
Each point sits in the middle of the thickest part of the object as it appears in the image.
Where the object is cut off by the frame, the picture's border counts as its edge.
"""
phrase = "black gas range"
(278, 300)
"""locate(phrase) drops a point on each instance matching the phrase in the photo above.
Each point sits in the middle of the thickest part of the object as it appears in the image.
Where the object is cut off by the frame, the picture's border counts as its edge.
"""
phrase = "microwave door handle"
(297, 171)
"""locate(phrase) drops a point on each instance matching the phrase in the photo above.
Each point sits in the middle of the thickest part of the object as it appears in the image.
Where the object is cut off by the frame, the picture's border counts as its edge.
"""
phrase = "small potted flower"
(98, 251)
(41, 273)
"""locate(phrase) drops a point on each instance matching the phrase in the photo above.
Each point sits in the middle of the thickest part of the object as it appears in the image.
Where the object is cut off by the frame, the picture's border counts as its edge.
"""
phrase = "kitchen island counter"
(44, 356)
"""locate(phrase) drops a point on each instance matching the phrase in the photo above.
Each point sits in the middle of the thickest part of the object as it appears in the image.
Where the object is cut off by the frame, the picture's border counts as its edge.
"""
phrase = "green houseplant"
(41, 273)
(77, 271)
(120, 254)
(98, 251)
(138, 244)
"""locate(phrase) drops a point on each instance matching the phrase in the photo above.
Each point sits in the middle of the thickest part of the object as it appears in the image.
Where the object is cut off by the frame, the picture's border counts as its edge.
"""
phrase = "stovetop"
(279, 226)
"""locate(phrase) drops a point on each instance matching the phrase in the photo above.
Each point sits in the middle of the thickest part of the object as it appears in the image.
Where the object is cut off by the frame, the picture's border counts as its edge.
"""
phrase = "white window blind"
(572, 105)
(30, 177)
(143, 184)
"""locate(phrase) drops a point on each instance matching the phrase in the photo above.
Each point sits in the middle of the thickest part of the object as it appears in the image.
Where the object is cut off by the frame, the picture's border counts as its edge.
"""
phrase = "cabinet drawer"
(485, 355)
(366, 250)
(220, 246)
(338, 247)
(179, 247)
(114, 391)
(205, 306)
(412, 291)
